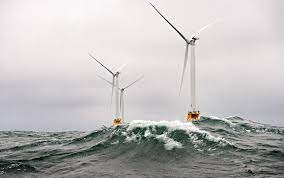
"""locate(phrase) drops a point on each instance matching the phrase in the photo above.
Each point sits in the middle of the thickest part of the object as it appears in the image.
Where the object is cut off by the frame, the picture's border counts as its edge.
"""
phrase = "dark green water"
(211, 147)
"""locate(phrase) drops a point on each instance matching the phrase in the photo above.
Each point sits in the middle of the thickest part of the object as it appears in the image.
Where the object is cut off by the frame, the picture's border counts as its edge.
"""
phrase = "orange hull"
(117, 121)
(193, 116)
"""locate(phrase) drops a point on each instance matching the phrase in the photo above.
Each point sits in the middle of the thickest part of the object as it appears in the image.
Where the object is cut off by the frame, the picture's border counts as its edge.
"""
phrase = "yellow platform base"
(193, 116)
(117, 121)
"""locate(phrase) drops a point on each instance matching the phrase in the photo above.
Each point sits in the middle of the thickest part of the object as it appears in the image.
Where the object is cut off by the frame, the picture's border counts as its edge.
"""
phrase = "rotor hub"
(193, 39)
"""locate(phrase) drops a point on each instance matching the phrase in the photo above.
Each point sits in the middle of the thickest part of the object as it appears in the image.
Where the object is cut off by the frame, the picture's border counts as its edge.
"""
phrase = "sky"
(49, 83)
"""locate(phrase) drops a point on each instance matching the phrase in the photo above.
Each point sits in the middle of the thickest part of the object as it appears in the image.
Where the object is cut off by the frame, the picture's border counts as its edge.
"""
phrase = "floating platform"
(117, 121)
(193, 116)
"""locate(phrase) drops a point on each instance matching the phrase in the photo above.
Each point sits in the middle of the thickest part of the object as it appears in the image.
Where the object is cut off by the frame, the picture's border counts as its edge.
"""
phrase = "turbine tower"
(115, 89)
(193, 113)
(122, 90)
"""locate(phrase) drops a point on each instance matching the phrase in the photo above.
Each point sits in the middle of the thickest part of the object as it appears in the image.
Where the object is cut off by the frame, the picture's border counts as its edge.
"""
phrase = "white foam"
(171, 125)
(188, 127)
(148, 133)
(131, 138)
(169, 142)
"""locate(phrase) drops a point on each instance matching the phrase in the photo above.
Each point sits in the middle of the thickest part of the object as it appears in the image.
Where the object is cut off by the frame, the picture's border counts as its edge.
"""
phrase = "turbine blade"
(101, 64)
(133, 82)
(111, 83)
(184, 66)
(121, 67)
(183, 37)
(104, 79)
(203, 28)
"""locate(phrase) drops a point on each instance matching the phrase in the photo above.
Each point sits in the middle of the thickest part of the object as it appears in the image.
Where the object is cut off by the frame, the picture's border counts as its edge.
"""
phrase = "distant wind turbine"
(122, 96)
(115, 86)
(122, 90)
(193, 114)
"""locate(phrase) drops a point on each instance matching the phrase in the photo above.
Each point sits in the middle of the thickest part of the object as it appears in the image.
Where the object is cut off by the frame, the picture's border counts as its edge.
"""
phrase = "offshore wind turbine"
(122, 90)
(115, 88)
(193, 113)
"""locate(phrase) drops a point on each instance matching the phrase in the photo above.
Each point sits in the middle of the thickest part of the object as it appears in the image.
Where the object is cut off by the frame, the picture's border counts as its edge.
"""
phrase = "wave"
(237, 125)
(209, 133)
(155, 139)
(206, 135)
(168, 135)
(174, 134)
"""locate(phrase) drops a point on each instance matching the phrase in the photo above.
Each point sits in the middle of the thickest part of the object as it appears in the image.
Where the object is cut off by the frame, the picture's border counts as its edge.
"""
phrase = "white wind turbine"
(115, 88)
(193, 113)
(122, 90)
(122, 96)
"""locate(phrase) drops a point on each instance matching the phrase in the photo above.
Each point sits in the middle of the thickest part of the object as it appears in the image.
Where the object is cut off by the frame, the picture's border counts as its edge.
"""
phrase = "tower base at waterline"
(193, 115)
(117, 121)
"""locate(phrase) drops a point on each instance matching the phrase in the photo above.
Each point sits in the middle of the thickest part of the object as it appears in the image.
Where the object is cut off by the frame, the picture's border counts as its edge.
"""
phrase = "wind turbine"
(193, 113)
(115, 88)
(122, 96)
(122, 90)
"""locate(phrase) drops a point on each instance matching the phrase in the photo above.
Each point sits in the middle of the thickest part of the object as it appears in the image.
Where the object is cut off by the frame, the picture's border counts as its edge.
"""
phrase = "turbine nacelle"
(193, 39)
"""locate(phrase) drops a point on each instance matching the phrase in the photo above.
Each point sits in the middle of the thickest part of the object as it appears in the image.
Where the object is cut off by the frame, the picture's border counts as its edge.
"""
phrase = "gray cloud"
(48, 82)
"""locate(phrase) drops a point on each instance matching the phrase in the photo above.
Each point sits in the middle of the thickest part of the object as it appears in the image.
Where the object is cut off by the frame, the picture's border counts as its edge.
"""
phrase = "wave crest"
(174, 134)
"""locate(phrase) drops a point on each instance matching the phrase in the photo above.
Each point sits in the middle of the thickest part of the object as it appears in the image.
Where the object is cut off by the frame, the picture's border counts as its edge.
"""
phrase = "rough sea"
(210, 147)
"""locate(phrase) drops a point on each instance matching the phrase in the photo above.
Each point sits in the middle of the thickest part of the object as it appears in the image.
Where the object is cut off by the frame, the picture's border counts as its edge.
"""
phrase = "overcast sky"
(48, 81)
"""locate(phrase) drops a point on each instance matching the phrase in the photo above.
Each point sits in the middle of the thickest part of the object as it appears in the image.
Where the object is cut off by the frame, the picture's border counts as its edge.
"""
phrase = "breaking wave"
(233, 137)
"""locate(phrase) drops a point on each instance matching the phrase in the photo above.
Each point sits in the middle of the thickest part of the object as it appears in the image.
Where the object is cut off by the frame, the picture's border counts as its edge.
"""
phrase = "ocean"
(210, 147)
